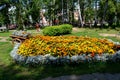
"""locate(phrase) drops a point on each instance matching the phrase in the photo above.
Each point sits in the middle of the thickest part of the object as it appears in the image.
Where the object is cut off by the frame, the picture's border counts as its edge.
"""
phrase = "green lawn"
(5, 34)
(9, 70)
(95, 33)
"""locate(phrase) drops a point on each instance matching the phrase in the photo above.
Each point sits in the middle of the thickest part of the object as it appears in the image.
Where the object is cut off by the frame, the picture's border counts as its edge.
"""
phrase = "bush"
(58, 30)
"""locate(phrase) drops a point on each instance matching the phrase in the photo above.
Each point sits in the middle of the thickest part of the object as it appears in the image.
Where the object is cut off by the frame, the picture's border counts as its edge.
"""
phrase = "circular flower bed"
(64, 49)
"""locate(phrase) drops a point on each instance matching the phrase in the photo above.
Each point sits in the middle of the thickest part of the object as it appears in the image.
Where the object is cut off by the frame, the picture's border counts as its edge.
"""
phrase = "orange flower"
(100, 51)
(65, 45)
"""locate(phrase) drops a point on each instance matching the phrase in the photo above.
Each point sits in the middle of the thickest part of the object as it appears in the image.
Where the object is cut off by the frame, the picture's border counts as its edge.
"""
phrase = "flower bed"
(64, 49)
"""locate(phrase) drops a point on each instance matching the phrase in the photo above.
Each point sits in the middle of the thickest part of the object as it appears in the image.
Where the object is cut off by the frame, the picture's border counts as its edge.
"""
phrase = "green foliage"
(58, 30)
(108, 12)
(4, 12)
(1, 19)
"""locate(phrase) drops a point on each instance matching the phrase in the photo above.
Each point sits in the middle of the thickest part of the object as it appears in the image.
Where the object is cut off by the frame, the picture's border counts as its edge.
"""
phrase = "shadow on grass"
(10, 70)
(26, 72)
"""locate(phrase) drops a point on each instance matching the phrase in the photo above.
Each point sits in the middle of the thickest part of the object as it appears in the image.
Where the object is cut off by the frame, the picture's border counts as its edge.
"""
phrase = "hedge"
(58, 30)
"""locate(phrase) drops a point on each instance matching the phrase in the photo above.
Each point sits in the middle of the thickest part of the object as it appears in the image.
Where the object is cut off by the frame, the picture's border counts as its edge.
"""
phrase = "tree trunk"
(68, 10)
(104, 14)
(95, 23)
(62, 12)
(80, 17)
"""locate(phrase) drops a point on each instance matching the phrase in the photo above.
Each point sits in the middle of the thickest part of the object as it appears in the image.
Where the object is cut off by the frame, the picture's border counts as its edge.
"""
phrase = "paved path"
(93, 76)
(111, 35)
(3, 39)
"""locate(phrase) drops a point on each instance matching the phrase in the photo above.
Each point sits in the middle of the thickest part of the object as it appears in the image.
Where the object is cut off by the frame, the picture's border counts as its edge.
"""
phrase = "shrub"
(65, 45)
(58, 30)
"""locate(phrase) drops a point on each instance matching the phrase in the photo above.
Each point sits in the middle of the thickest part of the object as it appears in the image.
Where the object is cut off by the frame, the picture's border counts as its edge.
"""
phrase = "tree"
(36, 7)
(26, 8)
(90, 13)
(117, 12)
(95, 23)
(108, 14)
(4, 12)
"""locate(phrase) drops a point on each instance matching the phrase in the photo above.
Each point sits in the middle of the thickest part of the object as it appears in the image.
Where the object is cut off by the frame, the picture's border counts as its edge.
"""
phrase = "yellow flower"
(64, 45)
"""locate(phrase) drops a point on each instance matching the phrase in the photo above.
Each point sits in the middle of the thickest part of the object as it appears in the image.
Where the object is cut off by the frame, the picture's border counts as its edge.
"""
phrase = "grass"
(5, 48)
(5, 34)
(95, 33)
(9, 70)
